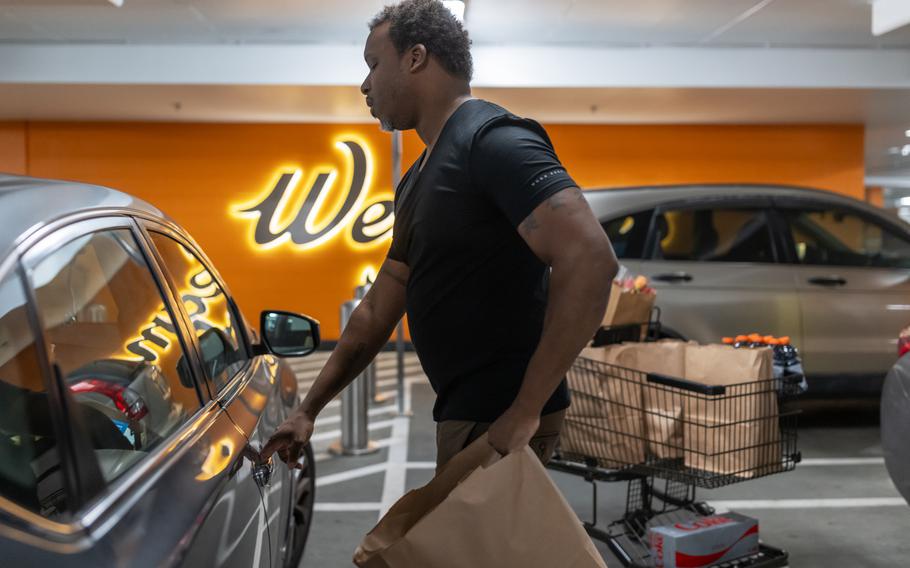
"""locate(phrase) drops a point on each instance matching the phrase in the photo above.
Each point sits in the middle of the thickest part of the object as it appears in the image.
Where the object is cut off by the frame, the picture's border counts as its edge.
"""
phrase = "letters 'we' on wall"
(327, 205)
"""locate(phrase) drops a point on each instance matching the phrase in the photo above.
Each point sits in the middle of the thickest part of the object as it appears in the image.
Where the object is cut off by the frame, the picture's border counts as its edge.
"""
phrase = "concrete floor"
(837, 509)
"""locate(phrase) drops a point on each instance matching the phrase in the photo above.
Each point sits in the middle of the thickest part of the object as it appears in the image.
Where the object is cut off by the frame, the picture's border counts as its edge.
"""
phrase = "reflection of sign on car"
(157, 337)
(369, 224)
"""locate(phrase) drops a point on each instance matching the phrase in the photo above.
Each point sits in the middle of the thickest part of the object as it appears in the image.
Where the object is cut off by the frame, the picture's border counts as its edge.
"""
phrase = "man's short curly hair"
(430, 23)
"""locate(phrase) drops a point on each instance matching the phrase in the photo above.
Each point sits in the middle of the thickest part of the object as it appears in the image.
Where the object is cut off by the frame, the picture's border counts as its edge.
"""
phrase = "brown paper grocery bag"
(481, 511)
(736, 433)
(628, 307)
(662, 406)
(743, 449)
(614, 442)
(604, 421)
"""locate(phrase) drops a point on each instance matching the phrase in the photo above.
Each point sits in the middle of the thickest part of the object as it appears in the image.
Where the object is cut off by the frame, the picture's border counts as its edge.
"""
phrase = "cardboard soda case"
(704, 541)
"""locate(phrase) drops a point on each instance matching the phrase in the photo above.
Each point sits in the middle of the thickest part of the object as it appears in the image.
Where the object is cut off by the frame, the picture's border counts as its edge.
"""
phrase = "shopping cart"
(665, 437)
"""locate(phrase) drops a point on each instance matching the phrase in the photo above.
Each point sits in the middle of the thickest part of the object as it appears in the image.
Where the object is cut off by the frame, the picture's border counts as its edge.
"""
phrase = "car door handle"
(827, 281)
(262, 473)
(673, 277)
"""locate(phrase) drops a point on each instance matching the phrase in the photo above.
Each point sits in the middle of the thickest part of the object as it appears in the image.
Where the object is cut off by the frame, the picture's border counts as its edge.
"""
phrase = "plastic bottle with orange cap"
(786, 356)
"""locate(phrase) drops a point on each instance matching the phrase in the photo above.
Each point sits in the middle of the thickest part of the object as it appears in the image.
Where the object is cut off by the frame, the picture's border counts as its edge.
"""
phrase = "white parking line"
(378, 411)
(395, 466)
(350, 474)
(396, 471)
(337, 433)
(841, 461)
(842, 503)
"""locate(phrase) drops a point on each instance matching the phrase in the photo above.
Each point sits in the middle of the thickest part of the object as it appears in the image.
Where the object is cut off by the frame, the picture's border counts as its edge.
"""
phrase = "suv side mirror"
(287, 334)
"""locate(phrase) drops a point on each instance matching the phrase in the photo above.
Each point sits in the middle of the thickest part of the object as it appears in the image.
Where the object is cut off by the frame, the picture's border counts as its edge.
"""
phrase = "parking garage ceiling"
(676, 61)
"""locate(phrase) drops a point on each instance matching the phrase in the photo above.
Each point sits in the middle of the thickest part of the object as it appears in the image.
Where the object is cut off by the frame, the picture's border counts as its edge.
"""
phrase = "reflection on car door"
(244, 386)
(169, 462)
(714, 267)
(853, 279)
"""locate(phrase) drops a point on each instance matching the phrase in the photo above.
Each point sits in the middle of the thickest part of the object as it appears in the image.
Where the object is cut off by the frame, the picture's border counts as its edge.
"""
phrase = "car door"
(853, 279)
(164, 458)
(39, 489)
(714, 265)
(243, 384)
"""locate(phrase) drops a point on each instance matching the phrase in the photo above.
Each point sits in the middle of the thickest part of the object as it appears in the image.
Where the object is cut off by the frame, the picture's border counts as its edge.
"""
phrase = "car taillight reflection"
(126, 400)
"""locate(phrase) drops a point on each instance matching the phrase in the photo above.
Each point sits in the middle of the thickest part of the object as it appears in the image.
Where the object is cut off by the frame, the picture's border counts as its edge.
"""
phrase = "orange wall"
(820, 156)
(12, 147)
(826, 157)
(200, 174)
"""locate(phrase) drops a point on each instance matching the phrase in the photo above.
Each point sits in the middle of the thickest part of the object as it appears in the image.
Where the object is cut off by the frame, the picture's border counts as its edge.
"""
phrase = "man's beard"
(386, 125)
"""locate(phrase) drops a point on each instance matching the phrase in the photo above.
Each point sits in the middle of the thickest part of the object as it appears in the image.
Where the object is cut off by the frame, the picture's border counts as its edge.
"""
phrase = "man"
(501, 265)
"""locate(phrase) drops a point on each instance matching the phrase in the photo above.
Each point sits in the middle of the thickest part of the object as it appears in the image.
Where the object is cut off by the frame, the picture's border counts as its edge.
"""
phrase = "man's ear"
(417, 58)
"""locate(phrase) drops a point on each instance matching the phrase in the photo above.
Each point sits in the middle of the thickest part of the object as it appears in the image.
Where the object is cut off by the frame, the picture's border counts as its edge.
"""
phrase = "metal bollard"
(399, 352)
(397, 152)
(355, 434)
(360, 293)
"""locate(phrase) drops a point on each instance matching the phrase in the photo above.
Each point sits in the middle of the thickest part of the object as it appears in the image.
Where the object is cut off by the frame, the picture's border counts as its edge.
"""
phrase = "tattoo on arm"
(557, 201)
(529, 225)
(564, 197)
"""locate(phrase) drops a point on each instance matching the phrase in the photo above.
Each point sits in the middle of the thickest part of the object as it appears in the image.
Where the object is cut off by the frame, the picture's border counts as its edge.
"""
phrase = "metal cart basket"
(666, 436)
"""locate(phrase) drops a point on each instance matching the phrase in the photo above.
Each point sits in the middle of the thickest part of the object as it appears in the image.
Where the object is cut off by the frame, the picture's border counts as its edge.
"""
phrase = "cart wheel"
(704, 509)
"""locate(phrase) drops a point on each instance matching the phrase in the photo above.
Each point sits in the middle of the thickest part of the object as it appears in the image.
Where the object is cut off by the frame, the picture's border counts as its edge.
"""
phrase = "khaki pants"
(452, 436)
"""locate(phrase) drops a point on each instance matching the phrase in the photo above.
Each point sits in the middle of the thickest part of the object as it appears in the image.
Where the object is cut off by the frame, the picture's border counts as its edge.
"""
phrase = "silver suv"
(831, 272)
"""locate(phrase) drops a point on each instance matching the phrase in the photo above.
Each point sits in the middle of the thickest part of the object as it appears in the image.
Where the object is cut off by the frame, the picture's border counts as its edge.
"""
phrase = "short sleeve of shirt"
(398, 248)
(517, 167)
(395, 252)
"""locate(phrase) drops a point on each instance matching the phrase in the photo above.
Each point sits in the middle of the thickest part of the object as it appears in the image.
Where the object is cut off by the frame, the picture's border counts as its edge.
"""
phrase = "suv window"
(217, 327)
(30, 469)
(714, 235)
(629, 233)
(841, 238)
(111, 335)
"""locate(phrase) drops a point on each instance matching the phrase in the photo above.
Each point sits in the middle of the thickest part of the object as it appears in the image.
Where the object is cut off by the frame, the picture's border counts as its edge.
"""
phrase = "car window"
(30, 469)
(217, 328)
(111, 335)
(628, 234)
(714, 235)
(841, 238)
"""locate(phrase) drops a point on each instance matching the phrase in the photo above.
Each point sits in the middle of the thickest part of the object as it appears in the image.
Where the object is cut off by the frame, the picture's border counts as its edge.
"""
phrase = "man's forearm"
(360, 341)
(579, 290)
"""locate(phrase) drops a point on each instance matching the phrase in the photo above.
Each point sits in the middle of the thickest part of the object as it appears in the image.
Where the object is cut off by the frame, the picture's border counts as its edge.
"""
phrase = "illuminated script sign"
(309, 220)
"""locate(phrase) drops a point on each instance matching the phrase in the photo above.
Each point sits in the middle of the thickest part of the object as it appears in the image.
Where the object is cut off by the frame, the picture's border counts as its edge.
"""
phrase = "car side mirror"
(287, 334)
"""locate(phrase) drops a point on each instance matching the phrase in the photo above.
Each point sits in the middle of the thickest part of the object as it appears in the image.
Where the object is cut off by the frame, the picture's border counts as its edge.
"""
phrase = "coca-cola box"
(703, 541)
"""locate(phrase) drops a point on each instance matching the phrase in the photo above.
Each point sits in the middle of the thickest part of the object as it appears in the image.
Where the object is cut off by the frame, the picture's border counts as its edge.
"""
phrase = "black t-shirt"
(477, 294)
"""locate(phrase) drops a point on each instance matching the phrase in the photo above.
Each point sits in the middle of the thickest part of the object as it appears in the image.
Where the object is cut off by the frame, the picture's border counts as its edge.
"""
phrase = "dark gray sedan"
(133, 396)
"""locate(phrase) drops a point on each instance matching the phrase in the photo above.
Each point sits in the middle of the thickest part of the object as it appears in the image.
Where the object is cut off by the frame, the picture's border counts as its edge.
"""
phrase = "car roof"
(27, 204)
(607, 202)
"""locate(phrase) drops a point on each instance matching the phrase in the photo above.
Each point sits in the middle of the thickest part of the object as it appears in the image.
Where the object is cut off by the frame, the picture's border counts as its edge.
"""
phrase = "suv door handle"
(828, 281)
(673, 277)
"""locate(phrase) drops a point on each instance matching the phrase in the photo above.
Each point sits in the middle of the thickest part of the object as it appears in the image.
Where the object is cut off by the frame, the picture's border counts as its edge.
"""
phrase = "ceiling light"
(117, 3)
(905, 151)
(456, 7)
(907, 133)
